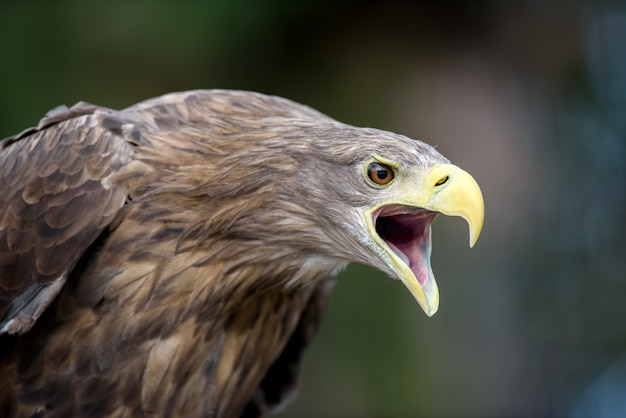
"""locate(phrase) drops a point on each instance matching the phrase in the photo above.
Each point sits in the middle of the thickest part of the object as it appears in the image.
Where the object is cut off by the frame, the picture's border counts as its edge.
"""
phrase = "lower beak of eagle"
(403, 226)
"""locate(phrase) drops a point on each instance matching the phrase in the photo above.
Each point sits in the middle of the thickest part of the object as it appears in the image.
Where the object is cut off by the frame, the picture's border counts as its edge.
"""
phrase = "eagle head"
(328, 191)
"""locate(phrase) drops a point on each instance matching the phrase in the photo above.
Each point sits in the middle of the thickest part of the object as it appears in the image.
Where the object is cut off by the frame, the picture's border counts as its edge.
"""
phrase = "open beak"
(403, 226)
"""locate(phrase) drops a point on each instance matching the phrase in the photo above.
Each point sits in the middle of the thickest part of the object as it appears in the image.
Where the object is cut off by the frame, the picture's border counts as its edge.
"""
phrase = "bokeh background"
(528, 96)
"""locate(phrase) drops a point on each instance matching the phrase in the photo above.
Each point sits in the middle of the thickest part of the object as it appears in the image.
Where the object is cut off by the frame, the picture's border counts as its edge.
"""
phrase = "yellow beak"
(445, 189)
(459, 195)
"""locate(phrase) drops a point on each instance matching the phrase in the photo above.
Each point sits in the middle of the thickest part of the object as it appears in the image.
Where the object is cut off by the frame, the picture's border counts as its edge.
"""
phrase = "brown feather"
(174, 258)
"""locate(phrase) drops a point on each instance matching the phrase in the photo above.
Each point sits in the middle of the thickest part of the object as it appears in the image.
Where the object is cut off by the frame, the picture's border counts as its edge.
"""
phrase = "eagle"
(175, 258)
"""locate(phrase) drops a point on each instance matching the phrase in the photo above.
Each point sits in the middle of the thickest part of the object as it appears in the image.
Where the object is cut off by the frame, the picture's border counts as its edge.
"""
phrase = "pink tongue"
(413, 255)
(420, 271)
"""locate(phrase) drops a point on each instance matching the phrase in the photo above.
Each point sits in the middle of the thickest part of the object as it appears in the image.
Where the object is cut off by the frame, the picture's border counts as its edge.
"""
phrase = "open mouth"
(406, 230)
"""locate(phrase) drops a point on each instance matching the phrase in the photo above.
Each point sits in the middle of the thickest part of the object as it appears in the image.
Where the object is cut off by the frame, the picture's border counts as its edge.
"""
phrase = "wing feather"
(53, 205)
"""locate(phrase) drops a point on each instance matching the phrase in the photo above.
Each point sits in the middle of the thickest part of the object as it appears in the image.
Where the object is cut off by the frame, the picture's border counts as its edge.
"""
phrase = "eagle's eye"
(379, 174)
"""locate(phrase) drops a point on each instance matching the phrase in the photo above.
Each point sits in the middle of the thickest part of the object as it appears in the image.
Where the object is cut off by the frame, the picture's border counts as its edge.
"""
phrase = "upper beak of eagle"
(401, 226)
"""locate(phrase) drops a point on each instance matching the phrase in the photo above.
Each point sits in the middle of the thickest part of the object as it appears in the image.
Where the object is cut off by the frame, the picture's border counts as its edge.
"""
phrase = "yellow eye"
(379, 174)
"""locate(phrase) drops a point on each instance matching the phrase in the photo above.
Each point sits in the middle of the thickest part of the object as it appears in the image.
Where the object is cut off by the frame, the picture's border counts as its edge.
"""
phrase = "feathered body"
(174, 258)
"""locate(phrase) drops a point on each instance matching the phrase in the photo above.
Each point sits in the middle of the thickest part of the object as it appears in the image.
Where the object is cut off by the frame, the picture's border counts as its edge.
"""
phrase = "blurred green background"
(528, 96)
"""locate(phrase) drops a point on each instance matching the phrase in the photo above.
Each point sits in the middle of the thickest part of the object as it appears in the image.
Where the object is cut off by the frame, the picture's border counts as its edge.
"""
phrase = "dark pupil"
(382, 174)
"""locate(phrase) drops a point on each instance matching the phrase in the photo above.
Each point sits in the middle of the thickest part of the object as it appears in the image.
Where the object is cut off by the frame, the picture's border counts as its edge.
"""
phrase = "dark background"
(529, 97)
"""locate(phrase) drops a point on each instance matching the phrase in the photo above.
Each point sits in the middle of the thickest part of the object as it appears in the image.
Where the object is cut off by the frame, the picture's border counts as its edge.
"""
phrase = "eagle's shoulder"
(55, 115)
